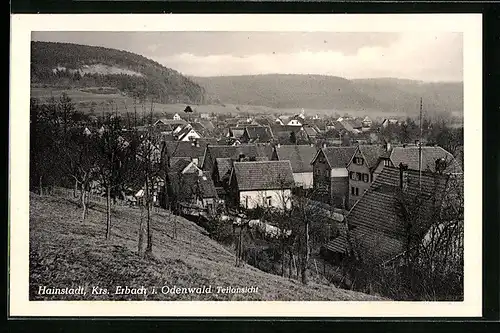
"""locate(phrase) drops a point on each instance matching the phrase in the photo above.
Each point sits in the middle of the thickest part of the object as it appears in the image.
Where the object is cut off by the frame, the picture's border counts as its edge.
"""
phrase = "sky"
(421, 56)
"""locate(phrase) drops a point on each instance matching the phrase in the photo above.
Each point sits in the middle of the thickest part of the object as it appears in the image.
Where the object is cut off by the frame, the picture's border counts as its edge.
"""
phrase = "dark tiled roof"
(260, 133)
(184, 149)
(207, 124)
(375, 221)
(372, 154)
(179, 165)
(409, 156)
(300, 156)
(224, 166)
(338, 157)
(215, 151)
(310, 131)
(188, 185)
(171, 122)
(263, 175)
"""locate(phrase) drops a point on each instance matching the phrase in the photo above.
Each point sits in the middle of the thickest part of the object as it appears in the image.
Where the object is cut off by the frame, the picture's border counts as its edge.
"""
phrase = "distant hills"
(335, 93)
(69, 66)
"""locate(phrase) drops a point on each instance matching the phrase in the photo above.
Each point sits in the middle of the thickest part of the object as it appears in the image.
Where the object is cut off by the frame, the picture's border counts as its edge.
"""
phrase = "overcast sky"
(419, 56)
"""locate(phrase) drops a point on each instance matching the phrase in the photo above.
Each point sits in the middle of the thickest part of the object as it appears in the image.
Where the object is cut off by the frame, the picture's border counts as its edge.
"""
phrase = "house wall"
(359, 186)
(252, 199)
(339, 187)
(303, 179)
(321, 178)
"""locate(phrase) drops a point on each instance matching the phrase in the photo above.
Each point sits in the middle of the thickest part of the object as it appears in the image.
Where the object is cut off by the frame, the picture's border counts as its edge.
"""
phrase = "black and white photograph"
(251, 164)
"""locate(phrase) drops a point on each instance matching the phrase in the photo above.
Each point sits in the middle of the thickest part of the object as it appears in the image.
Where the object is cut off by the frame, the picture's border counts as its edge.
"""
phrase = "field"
(107, 101)
(65, 252)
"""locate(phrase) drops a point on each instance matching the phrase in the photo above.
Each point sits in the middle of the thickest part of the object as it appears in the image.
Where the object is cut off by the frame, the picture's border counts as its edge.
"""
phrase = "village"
(328, 188)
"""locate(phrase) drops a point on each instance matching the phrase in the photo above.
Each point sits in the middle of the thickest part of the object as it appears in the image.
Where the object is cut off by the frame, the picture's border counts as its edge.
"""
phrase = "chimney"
(388, 146)
(279, 145)
(324, 144)
(403, 176)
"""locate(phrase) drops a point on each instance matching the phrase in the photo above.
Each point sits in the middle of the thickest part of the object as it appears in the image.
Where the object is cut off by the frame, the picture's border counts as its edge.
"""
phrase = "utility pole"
(420, 151)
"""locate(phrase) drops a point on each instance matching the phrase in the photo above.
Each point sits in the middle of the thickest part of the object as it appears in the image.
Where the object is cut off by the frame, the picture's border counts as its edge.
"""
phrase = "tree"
(149, 158)
(293, 138)
(115, 160)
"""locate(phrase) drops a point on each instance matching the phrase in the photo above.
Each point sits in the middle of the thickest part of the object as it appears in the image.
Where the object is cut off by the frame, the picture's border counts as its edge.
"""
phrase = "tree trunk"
(40, 184)
(305, 260)
(141, 248)
(108, 212)
(75, 189)
(84, 203)
(149, 247)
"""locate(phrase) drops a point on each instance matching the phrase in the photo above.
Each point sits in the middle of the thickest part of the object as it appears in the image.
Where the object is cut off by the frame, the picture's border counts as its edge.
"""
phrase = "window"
(269, 201)
(358, 160)
(387, 163)
(358, 176)
(366, 177)
(326, 173)
(357, 191)
(352, 190)
(246, 202)
(351, 175)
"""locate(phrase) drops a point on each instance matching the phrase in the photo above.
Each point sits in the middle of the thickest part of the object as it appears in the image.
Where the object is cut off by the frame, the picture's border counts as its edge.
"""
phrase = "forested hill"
(330, 92)
(80, 66)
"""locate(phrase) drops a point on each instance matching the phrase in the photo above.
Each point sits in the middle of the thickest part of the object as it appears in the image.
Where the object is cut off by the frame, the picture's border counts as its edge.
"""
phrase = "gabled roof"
(337, 157)
(189, 185)
(372, 154)
(375, 222)
(300, 156)
(224, 166)
(218, 151)
(170, 122)
(263, 175)
(260, 133)
(184, 149)
(207, 124)
(409, 156)
(310, 131)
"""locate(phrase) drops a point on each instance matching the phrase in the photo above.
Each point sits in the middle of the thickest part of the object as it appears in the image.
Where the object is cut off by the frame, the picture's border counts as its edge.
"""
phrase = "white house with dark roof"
(300, 157)
(262, 184)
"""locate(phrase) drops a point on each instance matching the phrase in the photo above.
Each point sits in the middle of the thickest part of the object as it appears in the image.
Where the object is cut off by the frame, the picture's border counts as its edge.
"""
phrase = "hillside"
(330, 92)
(64, 252)
(72, 66)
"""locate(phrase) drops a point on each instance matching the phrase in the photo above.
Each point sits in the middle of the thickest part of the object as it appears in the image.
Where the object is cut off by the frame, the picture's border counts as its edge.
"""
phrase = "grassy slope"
(64, 252)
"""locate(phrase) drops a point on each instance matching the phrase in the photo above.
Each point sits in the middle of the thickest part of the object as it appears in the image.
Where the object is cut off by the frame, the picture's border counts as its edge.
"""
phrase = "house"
(386, 122)
(376, 229)
(233, 153)
(311, 133)
(188, 133)
(262, 183)
(194, 190)
(409, 155)
(173, 151)
(361, 169)
(257, 134)
(278, 121)
(300, 157)
(367, 123)
(176, 117)
(297, 120)
(169, 125)
(330, 176)
(235, 132)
